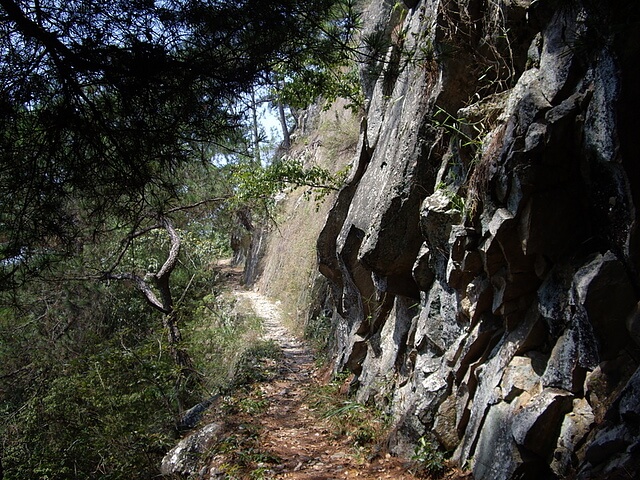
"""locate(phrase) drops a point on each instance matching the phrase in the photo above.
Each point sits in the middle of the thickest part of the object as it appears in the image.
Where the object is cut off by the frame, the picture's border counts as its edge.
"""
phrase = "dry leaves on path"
(272, 429)
(284, 420)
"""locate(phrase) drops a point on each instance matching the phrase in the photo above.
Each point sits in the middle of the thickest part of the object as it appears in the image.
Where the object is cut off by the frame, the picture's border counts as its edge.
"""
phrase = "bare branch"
(172, 259)
(141, 285)
(32, 30)
(126, 242)
(186, 289)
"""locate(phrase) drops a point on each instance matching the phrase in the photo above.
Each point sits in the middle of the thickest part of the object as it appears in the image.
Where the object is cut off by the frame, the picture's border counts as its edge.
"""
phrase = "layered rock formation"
(484, 255)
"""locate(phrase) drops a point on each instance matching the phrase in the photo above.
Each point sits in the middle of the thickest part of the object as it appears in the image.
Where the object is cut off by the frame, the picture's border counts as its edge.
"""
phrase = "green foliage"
(253, 406)
(102, 103)
(250, 403)
(88, 385)
(327, 70)
(328, 82)
(202, 244)
(457, 202)
(428, 458)
(115, 127)
(94, 417)
(470, 133)
(222, 344)
(252, 366)
(466, 143)
(364, 425)
(258, 182)
(317, 332)
(243, 453)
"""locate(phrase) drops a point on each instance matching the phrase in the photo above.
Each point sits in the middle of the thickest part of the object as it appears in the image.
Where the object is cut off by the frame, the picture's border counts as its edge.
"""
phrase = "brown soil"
(286, 437)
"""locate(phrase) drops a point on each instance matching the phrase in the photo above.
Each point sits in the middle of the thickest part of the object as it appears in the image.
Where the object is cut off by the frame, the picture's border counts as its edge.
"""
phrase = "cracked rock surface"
(484, 261)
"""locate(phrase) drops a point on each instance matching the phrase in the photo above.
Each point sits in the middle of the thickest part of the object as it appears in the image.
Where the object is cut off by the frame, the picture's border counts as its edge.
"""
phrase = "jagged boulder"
(605, 289)
(615, 449)
(573, 432)
(184, 458)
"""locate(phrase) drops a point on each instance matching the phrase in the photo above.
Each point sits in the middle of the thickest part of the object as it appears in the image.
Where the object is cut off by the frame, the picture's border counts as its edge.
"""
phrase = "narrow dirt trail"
(304, 443)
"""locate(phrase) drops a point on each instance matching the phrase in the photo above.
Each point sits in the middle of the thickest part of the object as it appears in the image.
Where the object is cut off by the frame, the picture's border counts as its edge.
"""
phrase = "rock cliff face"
(484, 255)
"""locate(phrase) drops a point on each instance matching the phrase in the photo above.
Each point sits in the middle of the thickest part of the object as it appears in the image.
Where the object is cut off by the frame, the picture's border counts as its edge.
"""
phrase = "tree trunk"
(256, 132)
(286, 137)
(180, 356)
(164, 303)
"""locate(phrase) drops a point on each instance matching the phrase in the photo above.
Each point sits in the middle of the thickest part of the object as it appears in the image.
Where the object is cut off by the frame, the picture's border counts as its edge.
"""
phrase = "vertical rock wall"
(484, 255)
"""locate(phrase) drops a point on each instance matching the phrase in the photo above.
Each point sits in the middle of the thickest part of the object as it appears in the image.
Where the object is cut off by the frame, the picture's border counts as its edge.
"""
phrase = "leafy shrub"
(428, 459)
(108, 415)
(317, 332)
(251, 367)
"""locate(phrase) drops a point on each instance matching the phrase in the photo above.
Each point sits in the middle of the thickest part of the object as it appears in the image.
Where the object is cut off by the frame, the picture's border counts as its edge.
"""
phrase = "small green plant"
(428, 459)
(230, 471)
(347, 409)
(457, 202)
(253, 365)
(254, 404)
(245, 402)
(260, 473)
(242, 452)
(364, 425)
(318, 332)
(222, 342)
(470, 133)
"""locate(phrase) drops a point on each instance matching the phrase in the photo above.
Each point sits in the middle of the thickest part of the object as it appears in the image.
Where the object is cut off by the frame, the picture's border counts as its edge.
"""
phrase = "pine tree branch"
(182, 208)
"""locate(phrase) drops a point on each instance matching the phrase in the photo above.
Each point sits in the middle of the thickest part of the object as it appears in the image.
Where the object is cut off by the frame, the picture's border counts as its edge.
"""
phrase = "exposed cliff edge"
(484, 255)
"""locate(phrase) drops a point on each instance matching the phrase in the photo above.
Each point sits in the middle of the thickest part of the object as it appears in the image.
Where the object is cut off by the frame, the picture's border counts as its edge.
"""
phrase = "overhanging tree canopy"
(100, 101)
(104, 106)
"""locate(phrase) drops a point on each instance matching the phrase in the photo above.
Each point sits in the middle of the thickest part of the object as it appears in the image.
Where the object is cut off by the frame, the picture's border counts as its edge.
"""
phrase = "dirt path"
(283, 418)
(304, 443)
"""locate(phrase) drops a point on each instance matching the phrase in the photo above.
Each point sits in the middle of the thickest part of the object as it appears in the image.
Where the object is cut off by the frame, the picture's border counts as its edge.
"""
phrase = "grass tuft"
(365, 427)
